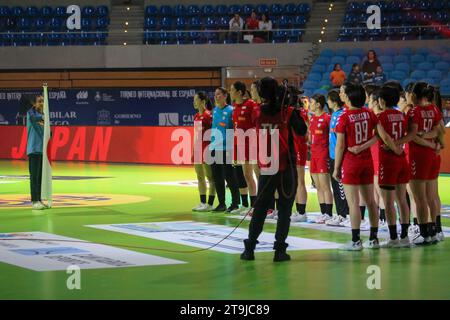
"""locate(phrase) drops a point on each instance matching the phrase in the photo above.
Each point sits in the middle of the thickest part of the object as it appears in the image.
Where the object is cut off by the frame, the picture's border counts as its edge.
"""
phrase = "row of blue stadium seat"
(49, 24)
(47, 11)
(152, 37)
(44, 39)
(195, 23)
(398, 18)
(401, 33)
(208, 10)
(415, 59)
(395, 6)
(385, 51)
(442, 66)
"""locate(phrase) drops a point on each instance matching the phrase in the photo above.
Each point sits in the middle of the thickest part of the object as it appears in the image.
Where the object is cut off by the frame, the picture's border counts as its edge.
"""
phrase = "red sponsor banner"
(151, 145)
(268, 62)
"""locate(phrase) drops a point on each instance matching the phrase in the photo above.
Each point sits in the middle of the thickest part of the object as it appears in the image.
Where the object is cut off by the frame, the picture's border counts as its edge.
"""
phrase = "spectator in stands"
(236, 26)
(369, 67)
(380, 77)
(252, 22)
(337, 76)
(355, 75)
(265, 25)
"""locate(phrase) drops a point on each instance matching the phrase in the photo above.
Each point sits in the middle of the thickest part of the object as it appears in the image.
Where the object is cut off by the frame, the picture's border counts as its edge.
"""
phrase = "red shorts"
(247, 156)
(422, 165)
(393, 172)
(361, 173)
(319, 165)
(302, 154)
(437, 166)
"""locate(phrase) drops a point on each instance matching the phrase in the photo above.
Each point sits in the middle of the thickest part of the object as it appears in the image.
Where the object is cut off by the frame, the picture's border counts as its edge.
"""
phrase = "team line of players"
(378, 148)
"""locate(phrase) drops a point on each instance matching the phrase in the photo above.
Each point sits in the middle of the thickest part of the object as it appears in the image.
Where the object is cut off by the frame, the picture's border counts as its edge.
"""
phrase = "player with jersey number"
(319, 130)
(423, 118)
(355, 127)
(202, 124)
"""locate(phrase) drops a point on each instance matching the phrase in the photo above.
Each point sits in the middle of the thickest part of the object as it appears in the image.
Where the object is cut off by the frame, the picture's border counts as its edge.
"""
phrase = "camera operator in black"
(275, 113)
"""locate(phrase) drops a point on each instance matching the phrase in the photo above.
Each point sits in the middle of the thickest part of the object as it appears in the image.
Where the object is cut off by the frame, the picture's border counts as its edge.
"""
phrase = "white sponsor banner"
(42, 251)
(383, 231)
(204, 235)
(194, 183)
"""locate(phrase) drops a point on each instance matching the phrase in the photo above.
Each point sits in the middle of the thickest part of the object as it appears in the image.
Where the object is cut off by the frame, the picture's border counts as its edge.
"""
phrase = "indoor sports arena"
(223, 150)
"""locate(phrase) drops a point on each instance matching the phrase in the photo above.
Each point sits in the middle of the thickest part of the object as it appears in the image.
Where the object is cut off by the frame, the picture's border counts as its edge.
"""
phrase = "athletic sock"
(203, 198)
(244, 200)
(211, 200)
(408, 200)
(404, 233)
(423, 229)
(252, 201)
(301, 208)
(373, 233)
(383, 214)
(323, 208)
(330, 209)
(277, 204)
(431, 229)
(438, 223)
(393, 231)
(415, 221)
(362, 209)
(355, 235)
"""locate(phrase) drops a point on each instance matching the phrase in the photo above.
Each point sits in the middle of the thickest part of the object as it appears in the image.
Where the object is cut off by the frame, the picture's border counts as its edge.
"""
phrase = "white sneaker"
(45, 206)
(322, 219)
(372, 244)
(421, 241)
(382, 224)
(404, 243)
(434, 239)
(236, 211)
(352, 246)
(365, 225)
(413, 232)
(346, 223)
(391, 243)
(38, 206)
(272, 215)
(206, 207)
(440, 236)
(296, 217)
(198, 207)
(335, 221)
(244, 212)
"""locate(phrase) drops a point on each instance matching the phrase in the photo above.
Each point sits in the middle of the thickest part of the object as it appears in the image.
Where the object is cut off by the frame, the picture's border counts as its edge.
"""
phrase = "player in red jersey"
(423, 118)
(355, 127)
(319, 130)
(245, 151)
(301, 150)
(203, 122)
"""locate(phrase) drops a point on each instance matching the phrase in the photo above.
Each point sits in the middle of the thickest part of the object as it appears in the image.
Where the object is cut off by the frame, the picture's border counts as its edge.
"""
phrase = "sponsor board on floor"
(20, 201)
(445, 211)
(204, 235)
(194, 183)
(383, 231)
(41, 251)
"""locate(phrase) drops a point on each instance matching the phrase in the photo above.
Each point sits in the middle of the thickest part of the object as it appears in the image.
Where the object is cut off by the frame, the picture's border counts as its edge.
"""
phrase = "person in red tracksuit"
(275, 118)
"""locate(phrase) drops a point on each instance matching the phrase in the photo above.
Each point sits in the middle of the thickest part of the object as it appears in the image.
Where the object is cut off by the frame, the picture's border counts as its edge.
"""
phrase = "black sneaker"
(281, 256)
(232, 207)
(220, 208)
(248, 255)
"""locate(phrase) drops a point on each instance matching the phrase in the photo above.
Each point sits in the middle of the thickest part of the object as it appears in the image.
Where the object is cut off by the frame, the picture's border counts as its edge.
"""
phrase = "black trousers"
(35, 168)
(286, 184)
(339, 195)
(225, 171)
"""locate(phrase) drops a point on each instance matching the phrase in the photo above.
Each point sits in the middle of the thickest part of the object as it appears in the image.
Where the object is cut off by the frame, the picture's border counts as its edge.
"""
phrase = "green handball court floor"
(89, 194)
